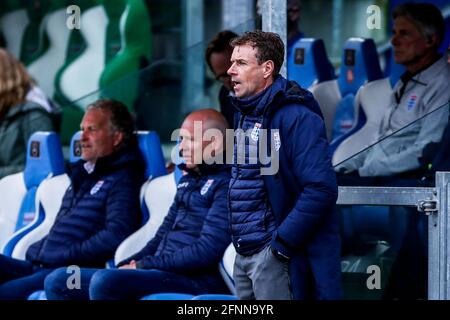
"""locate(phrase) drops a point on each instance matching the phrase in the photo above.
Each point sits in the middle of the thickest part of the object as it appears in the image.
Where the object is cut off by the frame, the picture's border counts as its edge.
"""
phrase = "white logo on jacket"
(182, 185)
(277, 140)
(255, 131)
(206, 186)
(97, 187)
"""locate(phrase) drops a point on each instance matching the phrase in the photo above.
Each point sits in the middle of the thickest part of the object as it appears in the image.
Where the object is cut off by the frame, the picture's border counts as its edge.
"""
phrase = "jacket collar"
(126, 157)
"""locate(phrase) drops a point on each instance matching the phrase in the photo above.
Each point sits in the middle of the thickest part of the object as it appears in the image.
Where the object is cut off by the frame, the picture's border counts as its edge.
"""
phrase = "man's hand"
(131, 265)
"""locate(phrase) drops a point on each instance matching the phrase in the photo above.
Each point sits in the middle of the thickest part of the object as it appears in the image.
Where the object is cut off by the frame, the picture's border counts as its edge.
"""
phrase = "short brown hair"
(268, 44)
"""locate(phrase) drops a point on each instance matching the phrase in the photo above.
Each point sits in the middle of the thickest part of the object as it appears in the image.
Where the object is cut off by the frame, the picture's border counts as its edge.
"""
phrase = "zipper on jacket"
(241, 121)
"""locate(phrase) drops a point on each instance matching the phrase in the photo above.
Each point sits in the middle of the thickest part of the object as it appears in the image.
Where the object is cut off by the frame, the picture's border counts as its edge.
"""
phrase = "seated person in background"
(185, 252)
(217, 55)
(417, 34)
(294, 9)
(99, 209)
(19, 117)
(418, 31)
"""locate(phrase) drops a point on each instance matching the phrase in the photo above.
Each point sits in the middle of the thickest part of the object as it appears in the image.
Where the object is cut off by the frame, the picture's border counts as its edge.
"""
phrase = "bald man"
(184, 254)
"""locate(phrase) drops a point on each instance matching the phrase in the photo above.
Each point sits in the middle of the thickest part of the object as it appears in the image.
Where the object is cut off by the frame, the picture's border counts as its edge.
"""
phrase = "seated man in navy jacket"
(185, 252)
(99, 209)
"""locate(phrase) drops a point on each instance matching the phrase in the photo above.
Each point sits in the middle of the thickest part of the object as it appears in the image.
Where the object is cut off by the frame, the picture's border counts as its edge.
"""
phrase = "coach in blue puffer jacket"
(99, 209)
(283, 220)
(184, 254)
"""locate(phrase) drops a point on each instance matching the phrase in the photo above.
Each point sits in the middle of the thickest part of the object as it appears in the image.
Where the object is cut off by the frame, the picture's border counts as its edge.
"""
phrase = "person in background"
(217, 56)
(294, 10)
(20, 115)
(99, 209)
(184, 254)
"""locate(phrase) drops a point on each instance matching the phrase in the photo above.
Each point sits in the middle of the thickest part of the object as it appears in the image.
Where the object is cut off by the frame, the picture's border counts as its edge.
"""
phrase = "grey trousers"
(262, 276)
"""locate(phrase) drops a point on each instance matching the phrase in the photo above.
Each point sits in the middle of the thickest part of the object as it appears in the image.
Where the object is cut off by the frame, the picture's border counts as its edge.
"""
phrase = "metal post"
(193, 66)
(439, 242)
(274, 20)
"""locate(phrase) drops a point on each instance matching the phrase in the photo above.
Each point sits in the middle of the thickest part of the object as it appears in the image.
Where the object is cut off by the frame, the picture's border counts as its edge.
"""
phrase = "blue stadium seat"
(372, 100)
(75, 147)
(156, 198)
(38, 295)
(308, 63)
(168, 296)
(359, 65)
(215, 297)
(44, 160)
(157, 194)
(309, 66)
(48, 201)
(150, 146)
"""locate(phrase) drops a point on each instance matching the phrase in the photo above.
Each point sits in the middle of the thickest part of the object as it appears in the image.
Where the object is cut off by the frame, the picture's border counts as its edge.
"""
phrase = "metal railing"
(434, 202)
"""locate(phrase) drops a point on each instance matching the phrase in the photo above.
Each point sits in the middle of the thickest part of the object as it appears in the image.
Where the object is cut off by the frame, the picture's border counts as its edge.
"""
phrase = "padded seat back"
(157, 195)
(359, 65)
(308, 63)
(44, 160)
(226, 267)
(373, 99)
(49, 197)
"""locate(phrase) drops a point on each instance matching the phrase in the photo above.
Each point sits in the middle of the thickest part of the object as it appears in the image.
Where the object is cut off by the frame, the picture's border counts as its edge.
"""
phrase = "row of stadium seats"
(354, 101)
(70, 63)
(31, 199)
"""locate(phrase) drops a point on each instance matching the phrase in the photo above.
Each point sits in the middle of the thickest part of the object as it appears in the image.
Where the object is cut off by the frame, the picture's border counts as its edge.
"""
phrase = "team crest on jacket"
(97, 187)
(255, 131)
(412, 102)
(206, 186)
(277, 140)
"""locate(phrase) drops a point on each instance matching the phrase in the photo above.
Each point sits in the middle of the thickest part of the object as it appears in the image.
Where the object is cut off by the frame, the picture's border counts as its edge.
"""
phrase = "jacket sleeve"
(122, 212)
(386, 164)
(151, 246)
(308, 154)
(209, 247)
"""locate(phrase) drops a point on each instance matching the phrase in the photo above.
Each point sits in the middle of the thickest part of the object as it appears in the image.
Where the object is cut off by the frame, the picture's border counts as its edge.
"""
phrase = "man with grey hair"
(418, 32)
(99, 209)
(415, 119)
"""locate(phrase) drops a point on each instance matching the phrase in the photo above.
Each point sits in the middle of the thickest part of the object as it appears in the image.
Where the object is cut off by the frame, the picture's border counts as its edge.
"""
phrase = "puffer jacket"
(98, 211)
(195, 233)
(301, 193)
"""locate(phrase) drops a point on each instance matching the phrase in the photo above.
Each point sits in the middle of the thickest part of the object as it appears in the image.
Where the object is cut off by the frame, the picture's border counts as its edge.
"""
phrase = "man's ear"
(269, 66)
(432, 40)
(117, 139)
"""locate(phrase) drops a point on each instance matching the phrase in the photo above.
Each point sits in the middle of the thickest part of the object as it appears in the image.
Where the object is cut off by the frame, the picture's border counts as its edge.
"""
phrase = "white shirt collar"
(89, 167)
